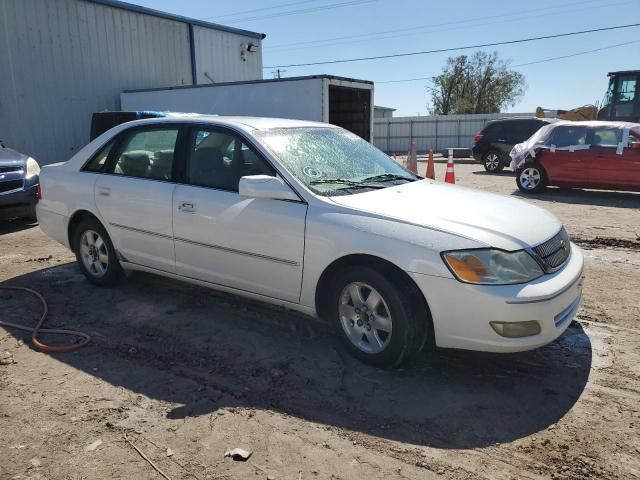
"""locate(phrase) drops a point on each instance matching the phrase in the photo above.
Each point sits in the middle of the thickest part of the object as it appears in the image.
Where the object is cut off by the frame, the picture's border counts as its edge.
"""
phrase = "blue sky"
(381, 27)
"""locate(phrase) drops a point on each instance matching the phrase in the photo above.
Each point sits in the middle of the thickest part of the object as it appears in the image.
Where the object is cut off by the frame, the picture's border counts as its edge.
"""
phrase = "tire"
(492, 161)
(385, 336)
(531, 178)
(95, 254)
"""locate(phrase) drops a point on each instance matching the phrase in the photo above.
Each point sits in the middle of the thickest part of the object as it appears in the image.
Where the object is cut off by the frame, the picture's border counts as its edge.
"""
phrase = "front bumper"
(18, 203)
(461, 312)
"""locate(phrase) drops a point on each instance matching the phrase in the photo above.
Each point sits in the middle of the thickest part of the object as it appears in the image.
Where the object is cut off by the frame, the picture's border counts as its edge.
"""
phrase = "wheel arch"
(75, 219)
(388, 269)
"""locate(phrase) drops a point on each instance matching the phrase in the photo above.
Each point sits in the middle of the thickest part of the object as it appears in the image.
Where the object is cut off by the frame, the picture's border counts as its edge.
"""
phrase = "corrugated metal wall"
(437, 132)
(218, 55)
(62, 60)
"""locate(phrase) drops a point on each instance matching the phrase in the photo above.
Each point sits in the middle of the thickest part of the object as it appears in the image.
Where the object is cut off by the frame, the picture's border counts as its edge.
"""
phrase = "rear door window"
(568, 135)
(531, 127)
(493, 131)
(147, 153)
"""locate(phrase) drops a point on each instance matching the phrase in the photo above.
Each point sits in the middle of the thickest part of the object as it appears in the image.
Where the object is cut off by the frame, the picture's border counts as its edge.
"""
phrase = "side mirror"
(264, 186)
(634, 146)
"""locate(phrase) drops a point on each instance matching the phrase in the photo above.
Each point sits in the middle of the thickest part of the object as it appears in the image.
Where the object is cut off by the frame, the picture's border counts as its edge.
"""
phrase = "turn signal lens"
(468, 268)
(516, 329)
(492, 266)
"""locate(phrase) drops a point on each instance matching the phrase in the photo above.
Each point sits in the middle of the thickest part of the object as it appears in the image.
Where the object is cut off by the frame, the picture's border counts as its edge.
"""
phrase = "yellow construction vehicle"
(586, 112)
(621, 102)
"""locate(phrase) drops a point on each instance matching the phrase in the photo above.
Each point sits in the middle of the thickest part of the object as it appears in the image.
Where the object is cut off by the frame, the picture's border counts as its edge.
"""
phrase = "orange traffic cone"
(430, 168)
(450, 176)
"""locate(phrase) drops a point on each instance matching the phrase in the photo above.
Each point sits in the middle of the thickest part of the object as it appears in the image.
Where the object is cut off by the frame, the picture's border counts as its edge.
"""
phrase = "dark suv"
(498, 137)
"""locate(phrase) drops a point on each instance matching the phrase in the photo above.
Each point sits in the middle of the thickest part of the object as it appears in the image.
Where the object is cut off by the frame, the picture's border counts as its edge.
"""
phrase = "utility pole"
(277, 73)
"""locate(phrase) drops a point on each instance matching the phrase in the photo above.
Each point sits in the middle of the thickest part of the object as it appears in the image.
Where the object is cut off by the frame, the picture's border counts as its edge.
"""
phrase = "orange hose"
(85, 338)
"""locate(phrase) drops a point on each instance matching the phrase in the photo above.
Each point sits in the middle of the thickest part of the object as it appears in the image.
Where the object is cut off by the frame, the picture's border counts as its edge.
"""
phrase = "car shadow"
(204, 350)
(504, 173)
(578, 196)
(13, 226)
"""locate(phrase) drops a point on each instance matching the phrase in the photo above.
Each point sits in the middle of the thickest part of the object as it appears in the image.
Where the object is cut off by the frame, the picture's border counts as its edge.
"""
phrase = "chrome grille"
(8, 186)
(10, 168)
(555, 251)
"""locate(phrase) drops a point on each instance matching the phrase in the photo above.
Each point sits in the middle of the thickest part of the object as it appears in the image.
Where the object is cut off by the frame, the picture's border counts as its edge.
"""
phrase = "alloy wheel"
(365, 317)
(530, 178)
(94, 253)
(492, 162)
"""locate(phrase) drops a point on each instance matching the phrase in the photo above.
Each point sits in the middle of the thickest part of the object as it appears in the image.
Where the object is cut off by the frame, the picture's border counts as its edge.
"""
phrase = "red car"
(602, 155)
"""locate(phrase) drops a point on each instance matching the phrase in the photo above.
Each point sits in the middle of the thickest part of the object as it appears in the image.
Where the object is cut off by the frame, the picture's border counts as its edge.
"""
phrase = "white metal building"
(382, 112)
(62, 60)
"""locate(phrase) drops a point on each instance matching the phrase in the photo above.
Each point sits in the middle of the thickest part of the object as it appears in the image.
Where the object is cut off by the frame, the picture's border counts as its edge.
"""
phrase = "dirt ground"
(186, 373)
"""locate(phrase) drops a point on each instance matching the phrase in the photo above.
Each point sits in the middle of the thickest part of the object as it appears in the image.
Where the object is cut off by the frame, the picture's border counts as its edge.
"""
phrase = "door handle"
(104, 191)
(187, 207)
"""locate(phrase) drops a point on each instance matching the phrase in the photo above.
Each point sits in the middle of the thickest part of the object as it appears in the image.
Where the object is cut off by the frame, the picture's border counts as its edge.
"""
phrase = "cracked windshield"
(333, 162)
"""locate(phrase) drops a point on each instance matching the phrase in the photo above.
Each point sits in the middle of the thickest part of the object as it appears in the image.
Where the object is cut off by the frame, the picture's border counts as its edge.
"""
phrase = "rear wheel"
(95, 254)
(492, 161)
(376, 319)
(531, 178)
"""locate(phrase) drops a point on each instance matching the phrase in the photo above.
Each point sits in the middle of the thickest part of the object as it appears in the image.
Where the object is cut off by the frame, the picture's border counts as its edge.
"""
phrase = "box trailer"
(345, 102)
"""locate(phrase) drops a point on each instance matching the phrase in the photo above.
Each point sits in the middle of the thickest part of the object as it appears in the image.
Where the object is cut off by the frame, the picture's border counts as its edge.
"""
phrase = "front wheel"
(531, 178)
(376, 319)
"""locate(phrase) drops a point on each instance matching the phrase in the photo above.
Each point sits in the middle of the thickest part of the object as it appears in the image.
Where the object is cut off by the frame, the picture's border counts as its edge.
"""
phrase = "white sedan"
(313, 218)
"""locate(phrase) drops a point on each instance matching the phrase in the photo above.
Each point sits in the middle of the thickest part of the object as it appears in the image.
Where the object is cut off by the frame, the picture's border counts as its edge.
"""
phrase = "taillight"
(38, 192)
(478, 137)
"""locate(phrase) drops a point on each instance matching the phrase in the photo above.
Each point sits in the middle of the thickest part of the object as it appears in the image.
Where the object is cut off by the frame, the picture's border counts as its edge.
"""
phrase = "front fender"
(332, 234)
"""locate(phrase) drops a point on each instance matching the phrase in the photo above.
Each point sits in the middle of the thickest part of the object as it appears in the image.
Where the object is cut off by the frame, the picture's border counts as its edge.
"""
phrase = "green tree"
(481, 83)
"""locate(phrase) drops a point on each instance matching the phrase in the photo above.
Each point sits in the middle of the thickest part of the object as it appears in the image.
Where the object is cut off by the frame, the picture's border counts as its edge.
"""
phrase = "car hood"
(9, 157)
(491, 219)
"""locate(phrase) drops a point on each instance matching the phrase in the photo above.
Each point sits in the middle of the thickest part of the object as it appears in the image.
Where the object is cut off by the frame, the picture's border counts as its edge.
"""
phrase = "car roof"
(244, 123)
(599, 123)
(514, 119)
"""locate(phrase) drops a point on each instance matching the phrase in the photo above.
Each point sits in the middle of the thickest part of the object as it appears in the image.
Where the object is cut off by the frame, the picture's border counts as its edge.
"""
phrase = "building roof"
(264, 80)
(178, 18)
(380, 107)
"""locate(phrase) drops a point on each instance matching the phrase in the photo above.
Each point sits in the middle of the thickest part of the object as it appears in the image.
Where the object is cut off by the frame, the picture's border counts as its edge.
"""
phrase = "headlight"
(32, 168)
(492, 267)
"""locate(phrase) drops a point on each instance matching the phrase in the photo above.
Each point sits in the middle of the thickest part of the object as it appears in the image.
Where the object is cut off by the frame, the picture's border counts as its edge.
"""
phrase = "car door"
(499, 133)
(564, 162)
(603, 167)
(135, 195)
(251, 244)
(631, 156)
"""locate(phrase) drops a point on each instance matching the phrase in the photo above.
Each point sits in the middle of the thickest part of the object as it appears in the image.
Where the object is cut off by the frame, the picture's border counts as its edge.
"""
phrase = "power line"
(407, 80)
(576, 54)
(384, 34)
(302, 10)
(262, 9)
(451, 49)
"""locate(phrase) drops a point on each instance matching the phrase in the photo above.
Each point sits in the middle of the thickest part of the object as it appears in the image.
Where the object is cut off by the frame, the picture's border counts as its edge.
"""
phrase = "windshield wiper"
(344, 181)
(386, 177)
